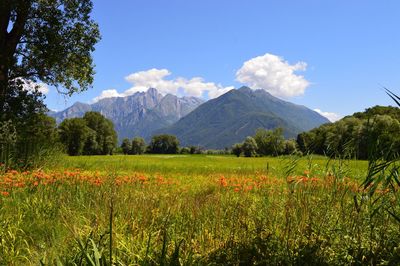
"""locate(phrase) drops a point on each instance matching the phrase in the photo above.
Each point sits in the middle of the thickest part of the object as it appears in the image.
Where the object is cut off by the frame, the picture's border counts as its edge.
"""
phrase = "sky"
(332, 56)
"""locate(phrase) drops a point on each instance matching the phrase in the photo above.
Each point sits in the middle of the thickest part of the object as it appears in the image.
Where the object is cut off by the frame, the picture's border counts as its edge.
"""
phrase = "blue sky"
(330, 55)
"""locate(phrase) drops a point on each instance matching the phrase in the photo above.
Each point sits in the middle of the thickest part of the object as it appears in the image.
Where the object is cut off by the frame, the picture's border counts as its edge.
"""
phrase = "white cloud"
(43, 88)
(219, 92)
(107, 94)
(273, 74)
(331, 116)
(158, 78)
(31, 86)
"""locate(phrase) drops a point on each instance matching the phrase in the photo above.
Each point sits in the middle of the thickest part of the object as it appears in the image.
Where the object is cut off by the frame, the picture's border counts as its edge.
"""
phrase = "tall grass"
(302, 212)
(383, 172)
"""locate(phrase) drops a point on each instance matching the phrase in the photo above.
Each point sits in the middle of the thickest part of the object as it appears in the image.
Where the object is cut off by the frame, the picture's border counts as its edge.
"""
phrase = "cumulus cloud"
(158, 78)
(269, 72)
(43, 88)
(273, 74)
(31, 86)
(331, 116)
(107, 94)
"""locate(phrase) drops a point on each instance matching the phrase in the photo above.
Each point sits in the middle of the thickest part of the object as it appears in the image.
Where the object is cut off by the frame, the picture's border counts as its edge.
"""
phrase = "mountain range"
(139, 114)
(217, 123)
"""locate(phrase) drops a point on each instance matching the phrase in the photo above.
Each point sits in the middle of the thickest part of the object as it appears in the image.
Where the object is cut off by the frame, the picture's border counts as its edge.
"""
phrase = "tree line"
(34, 137)
(159, 144)
(265, 143)
(360, 136)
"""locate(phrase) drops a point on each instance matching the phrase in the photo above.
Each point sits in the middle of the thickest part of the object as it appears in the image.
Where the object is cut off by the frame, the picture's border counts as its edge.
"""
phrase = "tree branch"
(17, 30)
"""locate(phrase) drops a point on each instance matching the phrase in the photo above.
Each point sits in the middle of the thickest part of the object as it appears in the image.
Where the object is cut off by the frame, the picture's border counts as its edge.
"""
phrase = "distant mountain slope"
(231, 117)
(137, 115)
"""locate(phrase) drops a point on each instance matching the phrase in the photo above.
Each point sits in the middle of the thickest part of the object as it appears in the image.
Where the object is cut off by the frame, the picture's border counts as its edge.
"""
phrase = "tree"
(38, 139)
(185, 150)
(195, 150)
(73, 134)
(47, 41)
(249, 147)
(362, 135)
(164, 144)
(270, 142)
(91, 147)
(8, 138)
(290, 147)
(110, 142)
(126, 146)
(105, 135)
(91, 135)
(237, 149)
(138, 146)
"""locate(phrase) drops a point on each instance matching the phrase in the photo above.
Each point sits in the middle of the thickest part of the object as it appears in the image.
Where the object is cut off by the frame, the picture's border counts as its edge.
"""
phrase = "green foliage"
(237, 149)
(138, 146)
(23, 117)
(50, 41)
(266, 142)
(41, 41)
(91, 145)
(103, 128)
(73, 134)
(378, 110)
(290, 147)
(249, 147)
(195, 150)
(91, 135)
(362, 135)
(29, 136)
(383, 165)
(184, 150)
(126, 146)
(164, 144)
(270, 142)
(8, 138)
(38, 141)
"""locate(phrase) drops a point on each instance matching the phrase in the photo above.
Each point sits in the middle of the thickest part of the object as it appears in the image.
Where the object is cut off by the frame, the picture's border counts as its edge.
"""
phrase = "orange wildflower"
(223, 182)
(248, 188)
(97, 182)
(13, 172)
(142, 178)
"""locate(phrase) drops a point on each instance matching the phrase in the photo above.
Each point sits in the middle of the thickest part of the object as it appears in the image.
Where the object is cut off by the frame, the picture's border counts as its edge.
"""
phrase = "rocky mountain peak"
(139, 114)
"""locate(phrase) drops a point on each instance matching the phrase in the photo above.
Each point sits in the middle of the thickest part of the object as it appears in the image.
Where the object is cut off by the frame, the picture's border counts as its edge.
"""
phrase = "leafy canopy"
(49, 41)
(164, 144)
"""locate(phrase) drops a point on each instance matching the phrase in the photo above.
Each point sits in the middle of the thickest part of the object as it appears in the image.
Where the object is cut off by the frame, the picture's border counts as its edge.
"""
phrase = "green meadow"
(211, 164)
(196, 210)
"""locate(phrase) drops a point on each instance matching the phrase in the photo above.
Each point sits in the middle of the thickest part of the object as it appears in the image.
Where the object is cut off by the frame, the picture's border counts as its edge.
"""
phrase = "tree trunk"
(5, 13)
(9, 39)
(3, 82)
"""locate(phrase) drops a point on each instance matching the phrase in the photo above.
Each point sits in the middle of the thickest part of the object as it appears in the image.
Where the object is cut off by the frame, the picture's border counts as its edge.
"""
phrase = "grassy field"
(196, 210)
(210, 165)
